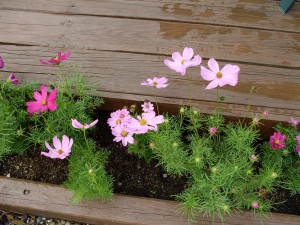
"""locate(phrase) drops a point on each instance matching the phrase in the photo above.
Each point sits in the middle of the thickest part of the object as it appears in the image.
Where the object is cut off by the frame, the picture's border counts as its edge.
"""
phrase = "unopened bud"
(91, 171)
(151, 145)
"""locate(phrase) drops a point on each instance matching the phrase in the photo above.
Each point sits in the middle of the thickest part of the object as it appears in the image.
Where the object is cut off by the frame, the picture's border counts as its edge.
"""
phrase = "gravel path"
(10, 218)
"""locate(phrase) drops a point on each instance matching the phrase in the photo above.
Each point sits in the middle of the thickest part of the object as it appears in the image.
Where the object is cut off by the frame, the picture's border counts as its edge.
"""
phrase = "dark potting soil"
(132, 175)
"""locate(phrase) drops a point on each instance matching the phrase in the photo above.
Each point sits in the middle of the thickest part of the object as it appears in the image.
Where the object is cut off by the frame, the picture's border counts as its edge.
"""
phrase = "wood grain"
(231, 44)
(261, 14)
(54, 201)
(279, 87)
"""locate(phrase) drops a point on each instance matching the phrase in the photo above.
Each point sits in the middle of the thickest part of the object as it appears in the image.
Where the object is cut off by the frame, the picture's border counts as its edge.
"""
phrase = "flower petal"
(213, 65)
(66, 55)
(207, 74)
(213, 84)
(52, 96)
(44, 92)
(176, 56)
(56, 143)
(76, 124)
(188, 53)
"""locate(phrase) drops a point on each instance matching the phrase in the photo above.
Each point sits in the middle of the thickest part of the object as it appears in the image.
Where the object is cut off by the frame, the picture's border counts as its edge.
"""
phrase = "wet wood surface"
(120, 43)
(54, 201)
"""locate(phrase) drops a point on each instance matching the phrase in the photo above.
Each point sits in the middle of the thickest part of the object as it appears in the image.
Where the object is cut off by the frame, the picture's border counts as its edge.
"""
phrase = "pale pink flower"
(294, 122)
(12, 79)
(1, 63)
(255, 205)
(61, 149)
(255, 120)
(148, 107)
(123, 134)
(43, 102)
(57, 59)
(253, 158)
(181, 63)
(156, 82)
(121, 116)
(277, 140)
(266, 113)
(298, 139)
(213, 130)
(78, 125)
(148, 121)
(227, 75)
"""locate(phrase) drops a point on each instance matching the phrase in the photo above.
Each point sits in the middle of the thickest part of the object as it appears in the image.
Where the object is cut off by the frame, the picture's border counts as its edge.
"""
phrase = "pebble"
(25, 219)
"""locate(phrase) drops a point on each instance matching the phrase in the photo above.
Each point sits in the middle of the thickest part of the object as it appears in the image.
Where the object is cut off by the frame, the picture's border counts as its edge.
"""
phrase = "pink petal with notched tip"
(44, 92)
(213, 65)
(66, 55)
(33, 107)
(176, 56)
(187, 53)
(213, 84)
(56, 143)
(207, 74)
(52, 96)
(76, 124)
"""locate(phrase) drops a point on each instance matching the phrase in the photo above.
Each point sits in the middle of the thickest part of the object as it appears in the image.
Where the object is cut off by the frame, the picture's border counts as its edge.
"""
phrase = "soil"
(132, 175)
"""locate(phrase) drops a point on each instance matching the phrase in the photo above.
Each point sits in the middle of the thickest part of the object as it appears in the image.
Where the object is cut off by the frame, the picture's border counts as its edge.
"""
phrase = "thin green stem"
(155, 94)
(84, 134)
(189, 90)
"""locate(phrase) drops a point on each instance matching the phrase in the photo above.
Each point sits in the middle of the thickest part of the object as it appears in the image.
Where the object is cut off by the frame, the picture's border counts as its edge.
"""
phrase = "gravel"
(10, 218)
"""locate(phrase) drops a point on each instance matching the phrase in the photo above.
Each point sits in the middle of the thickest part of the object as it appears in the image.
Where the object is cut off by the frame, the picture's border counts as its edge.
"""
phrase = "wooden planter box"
(54, 201)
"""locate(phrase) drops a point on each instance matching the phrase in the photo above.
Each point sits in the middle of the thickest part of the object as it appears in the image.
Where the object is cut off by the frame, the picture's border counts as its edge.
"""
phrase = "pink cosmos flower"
(1, 62)
(43, 102)
(148, 121)
(181, 63)
(255, 205)
(156, 82)
(61, 149)
(298, 139)
(122, 133)
(266, 113)
(76, 124)
(294, 122)
(57, 59)
(277, 140)
(12, 79)
(119, 117)
(227, 75)
(148, 107)
(213, 130)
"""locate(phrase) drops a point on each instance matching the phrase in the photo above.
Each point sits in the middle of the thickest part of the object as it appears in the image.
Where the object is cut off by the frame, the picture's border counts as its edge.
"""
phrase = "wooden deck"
(122, 42)
(54, 201)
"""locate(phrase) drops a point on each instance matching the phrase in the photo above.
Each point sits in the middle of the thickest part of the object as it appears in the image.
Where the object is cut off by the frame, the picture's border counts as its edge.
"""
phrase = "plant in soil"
(227, 166)
(48, 120)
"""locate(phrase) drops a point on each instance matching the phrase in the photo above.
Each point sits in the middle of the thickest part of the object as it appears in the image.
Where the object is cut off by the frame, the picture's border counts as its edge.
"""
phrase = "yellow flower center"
(182, 61)
(143, 122)
(60, 151)
(44, 102)
(118, 121)
(219, 74)
(124, 133)
(55, 58)
(154, 82)
(277, 142)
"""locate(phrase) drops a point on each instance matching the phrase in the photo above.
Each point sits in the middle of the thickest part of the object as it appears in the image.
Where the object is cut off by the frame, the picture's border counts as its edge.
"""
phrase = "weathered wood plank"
(54, 201)
(262, 14)
(151, 37)
(118, 75)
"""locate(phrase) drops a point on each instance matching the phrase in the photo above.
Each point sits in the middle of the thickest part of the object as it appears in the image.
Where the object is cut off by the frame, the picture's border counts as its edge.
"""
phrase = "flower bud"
(254, 205)
(213, 130)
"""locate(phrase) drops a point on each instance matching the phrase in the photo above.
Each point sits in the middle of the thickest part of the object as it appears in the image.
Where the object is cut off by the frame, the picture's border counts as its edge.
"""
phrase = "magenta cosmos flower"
(213, 130)
(227, 75)
(43, 102)
(181, 62)
(76, 124)
(255, 205)
(1, 62)
(158, 82)
(61, 149)
(123, 134)
(277, 140)
(57, 59)
(12, 79)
